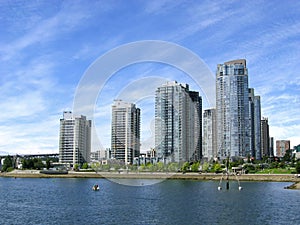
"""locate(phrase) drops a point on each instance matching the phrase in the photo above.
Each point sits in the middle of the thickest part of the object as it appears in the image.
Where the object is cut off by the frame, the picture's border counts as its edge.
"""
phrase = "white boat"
(96, 187)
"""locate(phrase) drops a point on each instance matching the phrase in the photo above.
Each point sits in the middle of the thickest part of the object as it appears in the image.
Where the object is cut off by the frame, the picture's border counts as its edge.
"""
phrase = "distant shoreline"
(156, 175)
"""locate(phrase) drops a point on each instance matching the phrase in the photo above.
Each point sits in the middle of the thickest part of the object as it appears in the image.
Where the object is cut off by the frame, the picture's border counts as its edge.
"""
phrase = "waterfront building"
(297, 151)
(257, 127)
(209, 145)
(107, 153)
(96, 156)
(255, 124)
(251, 121)
(74, 139)
(265, 138)
(125, 131)
(271, 147)
(281, 147)
(178, 123)
(151, 153)
(232, 110)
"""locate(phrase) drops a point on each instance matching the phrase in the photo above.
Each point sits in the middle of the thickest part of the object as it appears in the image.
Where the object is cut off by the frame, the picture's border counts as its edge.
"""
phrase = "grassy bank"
(154, 175)
(277, 171)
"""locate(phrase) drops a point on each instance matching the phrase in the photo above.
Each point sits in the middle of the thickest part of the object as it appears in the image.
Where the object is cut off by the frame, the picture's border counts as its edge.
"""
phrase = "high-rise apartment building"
(209, 145)
(257, 127)
(265, 138)
(74, 139)
(125, 131)
(255, 124)
(271, 147)
(232, 109)
(178, 123)
(281, 147)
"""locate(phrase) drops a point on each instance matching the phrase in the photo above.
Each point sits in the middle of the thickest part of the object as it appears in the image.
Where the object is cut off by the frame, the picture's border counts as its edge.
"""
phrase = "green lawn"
(277, 171)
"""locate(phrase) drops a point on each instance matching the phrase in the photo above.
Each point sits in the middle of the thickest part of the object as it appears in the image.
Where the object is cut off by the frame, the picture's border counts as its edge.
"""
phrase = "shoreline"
(157, 175)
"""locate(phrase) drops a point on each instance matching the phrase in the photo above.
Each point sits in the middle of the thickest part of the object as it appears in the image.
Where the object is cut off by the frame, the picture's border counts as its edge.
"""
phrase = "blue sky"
(47, 46)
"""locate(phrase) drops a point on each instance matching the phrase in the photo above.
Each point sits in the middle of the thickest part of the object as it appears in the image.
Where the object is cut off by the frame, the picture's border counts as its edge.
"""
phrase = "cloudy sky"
(47, 47)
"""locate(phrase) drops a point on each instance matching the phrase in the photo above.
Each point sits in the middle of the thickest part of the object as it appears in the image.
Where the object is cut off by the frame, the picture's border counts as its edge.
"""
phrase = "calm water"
(71, 201)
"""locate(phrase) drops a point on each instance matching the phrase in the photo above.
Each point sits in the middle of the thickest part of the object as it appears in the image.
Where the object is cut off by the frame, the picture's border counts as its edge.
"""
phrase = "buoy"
(219, 188)
(240, 188)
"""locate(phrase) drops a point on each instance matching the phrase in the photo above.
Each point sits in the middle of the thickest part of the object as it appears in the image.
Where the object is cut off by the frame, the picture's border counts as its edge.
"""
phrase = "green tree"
(249, 168)
(85, 166)
(185, 167)
(298, 167)
(30, 163)
(160, 166)
(287, 156)
(205, 167)
(106, 167)
(142, 167)
(96, 166)
(76, 167)
(195, 167)
(150, 167)
(48, 163)
(282, 165)
(38, 164)
(173, 167)
(217, 168)
(274, 165)
(7, 164)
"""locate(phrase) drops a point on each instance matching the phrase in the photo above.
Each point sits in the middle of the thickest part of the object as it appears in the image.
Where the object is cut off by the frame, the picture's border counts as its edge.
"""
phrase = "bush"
(9, 169)
(195, 167)
(185, 167)
(298, 167)
(217, 168)
(249, 169)
(8, 163)
(85, 166)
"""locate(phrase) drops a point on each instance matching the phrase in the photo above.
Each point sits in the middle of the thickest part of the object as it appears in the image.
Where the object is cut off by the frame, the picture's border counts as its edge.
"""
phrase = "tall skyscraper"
(74, 139)
(271, 147)
(125, 131)
(255, 120)
(232, 109)
(209, 145)
(257, 127)
(178, 123)
(265, 138)
(251, 121)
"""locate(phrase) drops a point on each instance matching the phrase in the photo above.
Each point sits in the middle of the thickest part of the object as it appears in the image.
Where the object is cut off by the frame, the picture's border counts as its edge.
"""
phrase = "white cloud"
(40, 136)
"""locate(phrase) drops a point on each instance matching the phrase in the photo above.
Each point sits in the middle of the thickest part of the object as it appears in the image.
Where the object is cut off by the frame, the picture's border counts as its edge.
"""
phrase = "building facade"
(74, 139)
(297, 151)
(271, 147)
(209, 145)
(255, 125)
(125, 131)
(232, 110)
(178, 123)
(265, 138)
(281, 147)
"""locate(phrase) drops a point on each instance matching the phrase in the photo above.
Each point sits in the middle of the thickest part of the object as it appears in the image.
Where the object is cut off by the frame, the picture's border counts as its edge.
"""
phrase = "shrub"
(298, 167)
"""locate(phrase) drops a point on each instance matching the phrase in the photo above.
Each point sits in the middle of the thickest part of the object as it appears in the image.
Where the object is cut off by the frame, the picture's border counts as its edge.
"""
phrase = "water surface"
(72, 201)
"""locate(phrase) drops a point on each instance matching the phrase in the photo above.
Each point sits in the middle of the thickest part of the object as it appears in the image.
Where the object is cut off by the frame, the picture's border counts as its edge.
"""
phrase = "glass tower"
(255, 124)
(232, 110)
(178, 119)
(209, 147)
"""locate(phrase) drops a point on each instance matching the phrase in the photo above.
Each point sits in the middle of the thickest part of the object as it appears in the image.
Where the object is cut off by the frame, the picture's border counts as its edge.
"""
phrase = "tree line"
(27, 163)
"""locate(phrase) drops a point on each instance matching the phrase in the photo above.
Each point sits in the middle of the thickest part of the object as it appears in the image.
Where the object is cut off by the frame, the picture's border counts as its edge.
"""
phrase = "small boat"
(96, 187)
